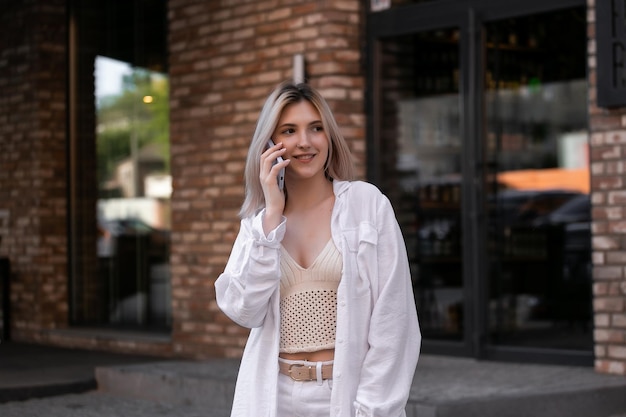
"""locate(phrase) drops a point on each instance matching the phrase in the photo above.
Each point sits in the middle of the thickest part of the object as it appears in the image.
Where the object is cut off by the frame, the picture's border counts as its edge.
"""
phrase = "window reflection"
(120, 183)
(134, 191)
(538, 183)
(533, 120)
(421, 169)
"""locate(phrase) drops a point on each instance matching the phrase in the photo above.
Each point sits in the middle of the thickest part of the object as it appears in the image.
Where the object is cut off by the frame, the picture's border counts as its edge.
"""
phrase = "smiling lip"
(305, 157)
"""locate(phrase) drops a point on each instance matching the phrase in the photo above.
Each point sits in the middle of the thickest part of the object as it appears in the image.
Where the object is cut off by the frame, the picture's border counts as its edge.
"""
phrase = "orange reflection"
(544, 179)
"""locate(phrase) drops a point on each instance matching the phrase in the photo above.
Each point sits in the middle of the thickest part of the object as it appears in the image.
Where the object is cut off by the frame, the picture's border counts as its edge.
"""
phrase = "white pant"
(303, 398)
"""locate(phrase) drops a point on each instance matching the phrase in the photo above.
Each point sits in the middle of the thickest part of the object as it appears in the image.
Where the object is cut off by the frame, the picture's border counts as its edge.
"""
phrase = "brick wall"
(224, 60)
(608, 191)
(32, 162)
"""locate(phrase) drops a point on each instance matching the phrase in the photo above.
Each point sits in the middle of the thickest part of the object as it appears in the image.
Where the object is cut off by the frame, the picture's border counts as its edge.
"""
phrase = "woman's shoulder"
(363, 195)
(363, 190)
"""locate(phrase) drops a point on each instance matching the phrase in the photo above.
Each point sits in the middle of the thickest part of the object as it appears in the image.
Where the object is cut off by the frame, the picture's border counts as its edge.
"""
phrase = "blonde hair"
(339, 164)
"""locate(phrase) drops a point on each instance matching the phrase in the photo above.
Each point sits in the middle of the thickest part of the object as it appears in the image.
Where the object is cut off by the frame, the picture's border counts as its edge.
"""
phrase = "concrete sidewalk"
(31, 371)
(443, 387)
(140, 386)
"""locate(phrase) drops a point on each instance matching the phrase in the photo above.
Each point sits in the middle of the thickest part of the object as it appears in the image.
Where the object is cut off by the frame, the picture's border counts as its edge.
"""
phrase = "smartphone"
(281, 174)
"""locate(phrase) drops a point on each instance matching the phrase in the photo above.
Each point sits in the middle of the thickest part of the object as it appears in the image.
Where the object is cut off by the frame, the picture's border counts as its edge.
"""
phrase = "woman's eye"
(288, 131)
(318, 128)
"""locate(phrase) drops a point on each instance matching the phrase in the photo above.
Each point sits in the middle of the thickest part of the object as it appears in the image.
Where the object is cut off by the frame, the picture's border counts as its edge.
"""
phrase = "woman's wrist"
(271, 220)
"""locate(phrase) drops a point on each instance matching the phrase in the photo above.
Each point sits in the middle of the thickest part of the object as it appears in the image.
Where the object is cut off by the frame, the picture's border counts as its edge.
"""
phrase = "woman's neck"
(308, 194)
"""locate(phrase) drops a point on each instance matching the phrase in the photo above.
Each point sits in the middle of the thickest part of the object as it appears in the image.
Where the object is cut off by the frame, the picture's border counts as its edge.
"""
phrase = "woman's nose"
(303, 140)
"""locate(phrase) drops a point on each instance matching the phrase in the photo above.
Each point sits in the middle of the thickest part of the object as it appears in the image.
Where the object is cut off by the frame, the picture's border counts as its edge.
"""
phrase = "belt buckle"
(299, 374)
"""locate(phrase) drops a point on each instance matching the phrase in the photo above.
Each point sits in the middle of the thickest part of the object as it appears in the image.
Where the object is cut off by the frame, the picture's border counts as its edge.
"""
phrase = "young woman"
(319, 272)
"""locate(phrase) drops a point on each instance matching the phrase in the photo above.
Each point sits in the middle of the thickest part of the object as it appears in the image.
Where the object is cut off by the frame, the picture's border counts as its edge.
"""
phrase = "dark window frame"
(610, 40)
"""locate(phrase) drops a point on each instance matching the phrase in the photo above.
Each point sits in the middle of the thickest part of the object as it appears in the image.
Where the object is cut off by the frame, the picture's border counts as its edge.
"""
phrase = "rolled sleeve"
(252, 273)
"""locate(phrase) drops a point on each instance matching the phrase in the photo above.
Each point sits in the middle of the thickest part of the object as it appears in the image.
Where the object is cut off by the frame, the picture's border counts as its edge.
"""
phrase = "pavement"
(56, 382)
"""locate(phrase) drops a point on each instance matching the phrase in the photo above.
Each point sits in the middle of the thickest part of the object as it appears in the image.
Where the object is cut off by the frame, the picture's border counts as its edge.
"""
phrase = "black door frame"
(468, 16)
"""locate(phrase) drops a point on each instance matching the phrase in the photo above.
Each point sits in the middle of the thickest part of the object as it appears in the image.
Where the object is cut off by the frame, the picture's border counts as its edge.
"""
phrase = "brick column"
(224, 60)
(608, 192)
(32, 162)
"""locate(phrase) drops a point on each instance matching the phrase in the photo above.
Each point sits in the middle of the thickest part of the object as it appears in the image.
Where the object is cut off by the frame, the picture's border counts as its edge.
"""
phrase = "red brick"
(608, 304)
(209, 189)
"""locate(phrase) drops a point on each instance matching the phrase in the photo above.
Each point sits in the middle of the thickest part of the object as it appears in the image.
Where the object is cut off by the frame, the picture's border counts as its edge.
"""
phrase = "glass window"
(121, 183)
(538, 187)
(490, 184)
(421, 151)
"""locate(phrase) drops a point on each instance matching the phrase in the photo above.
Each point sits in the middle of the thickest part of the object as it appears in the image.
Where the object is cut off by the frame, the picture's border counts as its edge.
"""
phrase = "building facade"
(497, 131)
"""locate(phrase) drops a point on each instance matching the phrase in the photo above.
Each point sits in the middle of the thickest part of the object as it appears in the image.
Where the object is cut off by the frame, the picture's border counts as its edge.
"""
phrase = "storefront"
(478, 119)
(480, 136)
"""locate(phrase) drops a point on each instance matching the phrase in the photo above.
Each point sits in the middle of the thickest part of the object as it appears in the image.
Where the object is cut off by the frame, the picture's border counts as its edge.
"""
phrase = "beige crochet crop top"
(308, 301)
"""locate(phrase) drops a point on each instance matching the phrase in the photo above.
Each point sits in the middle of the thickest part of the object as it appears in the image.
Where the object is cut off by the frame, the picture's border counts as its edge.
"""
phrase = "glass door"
(120, 175)
(478, 134)
(536, 140)
(421, 155)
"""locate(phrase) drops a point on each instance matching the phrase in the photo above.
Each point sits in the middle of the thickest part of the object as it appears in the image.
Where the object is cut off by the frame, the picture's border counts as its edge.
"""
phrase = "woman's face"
(301, 132)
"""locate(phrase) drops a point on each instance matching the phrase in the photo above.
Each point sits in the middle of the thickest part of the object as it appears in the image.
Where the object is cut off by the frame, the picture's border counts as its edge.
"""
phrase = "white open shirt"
(378, 337)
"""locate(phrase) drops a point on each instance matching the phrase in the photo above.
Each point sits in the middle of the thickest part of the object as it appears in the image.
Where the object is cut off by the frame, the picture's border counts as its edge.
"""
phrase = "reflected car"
(575, 210)
(575, 218)
(112, 231)
(504, 207)
(544, 203)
